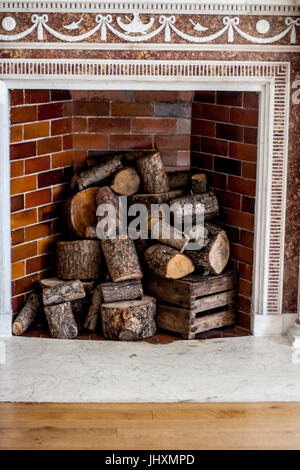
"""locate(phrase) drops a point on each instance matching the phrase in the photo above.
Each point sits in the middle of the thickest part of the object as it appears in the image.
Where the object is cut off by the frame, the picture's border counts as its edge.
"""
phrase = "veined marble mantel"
(180, 45)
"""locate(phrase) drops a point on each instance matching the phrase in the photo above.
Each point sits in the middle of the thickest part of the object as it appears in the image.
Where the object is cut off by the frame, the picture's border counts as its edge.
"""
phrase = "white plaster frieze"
(133, 30)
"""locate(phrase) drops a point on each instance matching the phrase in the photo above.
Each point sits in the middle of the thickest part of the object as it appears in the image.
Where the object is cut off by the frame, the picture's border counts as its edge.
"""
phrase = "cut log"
(98, 173)
(129, 320)
(214, 257)
(179, 179)
(91, 233)
(27, 314)
(94, 310)
(124, 290)
(167, 234)
(149, 199)
(121, 258)
(106, 196)
(63, 292)
(126, 181)
(80, 212)
(61, 321)
(79, 259)
(167, 262)
(209, 201)
(199, 183)
(154, 176)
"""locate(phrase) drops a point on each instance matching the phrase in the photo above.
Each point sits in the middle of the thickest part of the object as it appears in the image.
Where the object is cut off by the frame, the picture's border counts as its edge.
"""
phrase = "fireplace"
(215, 104)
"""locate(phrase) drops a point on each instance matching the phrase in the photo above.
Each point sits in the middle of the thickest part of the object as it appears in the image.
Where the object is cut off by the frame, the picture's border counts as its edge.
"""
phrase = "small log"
(126, 181)
(98, 173)
(63, 292)
(124, 290)
(209, 201)
(199, 183)
(94, 310)
(167, 262)
(153, 173)
(179, 179)
(121, 258)
(149, 199)
(79, 259)
(61, 321)
(80, 212)
(214, 257)
(129, 320)
(167, 234)
(27, 314)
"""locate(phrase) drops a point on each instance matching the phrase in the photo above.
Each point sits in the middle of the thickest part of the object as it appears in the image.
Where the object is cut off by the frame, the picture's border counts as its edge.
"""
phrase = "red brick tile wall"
(41, 165)
(224, 145)
(54, 130)
(134, 120)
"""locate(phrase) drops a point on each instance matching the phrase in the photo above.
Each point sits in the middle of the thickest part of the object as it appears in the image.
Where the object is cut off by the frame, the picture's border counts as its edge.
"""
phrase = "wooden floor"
(150, 426)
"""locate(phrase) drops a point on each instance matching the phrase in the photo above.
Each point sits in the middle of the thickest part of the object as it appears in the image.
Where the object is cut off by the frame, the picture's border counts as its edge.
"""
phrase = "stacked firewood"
(99, 281)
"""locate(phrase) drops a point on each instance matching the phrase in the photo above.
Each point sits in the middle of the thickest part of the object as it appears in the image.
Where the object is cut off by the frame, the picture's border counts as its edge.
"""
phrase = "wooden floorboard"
(150, 426)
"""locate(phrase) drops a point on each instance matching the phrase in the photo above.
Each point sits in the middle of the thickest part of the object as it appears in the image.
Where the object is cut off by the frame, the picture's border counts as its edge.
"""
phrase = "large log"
(126, 181)
(129, 320)
(98, 173)
(167, 234)
(199, 183)
(121, 258)
(167, 262)
(61, 321)
(80, 212)
(209, 201)
(106, 196)
(62, 292)
(214, 257)
(124, 290)
(27, 314)
(79, 259)
(154, 176)
(149, 199)
(179, 179)
(94, 310)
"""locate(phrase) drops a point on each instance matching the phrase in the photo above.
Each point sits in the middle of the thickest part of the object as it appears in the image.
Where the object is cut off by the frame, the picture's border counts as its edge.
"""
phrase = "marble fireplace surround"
(71, 45)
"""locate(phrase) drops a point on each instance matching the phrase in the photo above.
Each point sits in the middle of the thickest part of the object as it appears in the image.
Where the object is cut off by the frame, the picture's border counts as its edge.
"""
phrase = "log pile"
(100, 280)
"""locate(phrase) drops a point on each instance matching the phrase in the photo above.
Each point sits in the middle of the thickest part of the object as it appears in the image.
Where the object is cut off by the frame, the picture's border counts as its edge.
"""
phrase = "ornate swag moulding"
(160, 25)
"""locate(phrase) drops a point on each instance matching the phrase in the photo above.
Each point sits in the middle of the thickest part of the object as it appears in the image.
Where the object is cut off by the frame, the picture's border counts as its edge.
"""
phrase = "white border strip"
(269, 325)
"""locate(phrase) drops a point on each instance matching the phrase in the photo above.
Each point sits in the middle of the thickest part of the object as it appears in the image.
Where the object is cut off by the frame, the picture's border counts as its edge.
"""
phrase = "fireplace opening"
(56, 133)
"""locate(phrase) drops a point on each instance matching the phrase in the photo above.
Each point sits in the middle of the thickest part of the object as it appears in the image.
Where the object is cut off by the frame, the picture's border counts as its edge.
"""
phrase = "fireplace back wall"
(54, 131)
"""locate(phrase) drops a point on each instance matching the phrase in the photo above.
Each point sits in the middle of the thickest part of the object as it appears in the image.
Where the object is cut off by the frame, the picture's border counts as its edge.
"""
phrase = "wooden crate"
(194, 304)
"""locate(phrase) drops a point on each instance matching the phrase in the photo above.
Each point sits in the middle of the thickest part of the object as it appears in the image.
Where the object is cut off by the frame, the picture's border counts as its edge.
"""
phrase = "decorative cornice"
(182, 7)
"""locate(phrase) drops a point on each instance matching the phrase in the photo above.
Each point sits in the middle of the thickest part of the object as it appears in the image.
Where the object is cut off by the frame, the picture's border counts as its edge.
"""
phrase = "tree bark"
(179, 179)
(126, 181)
(199, 183)
(214, 257)
(209, 201)
(123, 290)
(91, 233)
(167, 234)
(98, 173)
(121, 258)
(63, 292)
(80, 310)
(167, 262)
(129, 320)
(79, 259)
(61, 321)
(94, 310)
(149, 199)
(154, 176)
(27, 314)
(80, 212)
